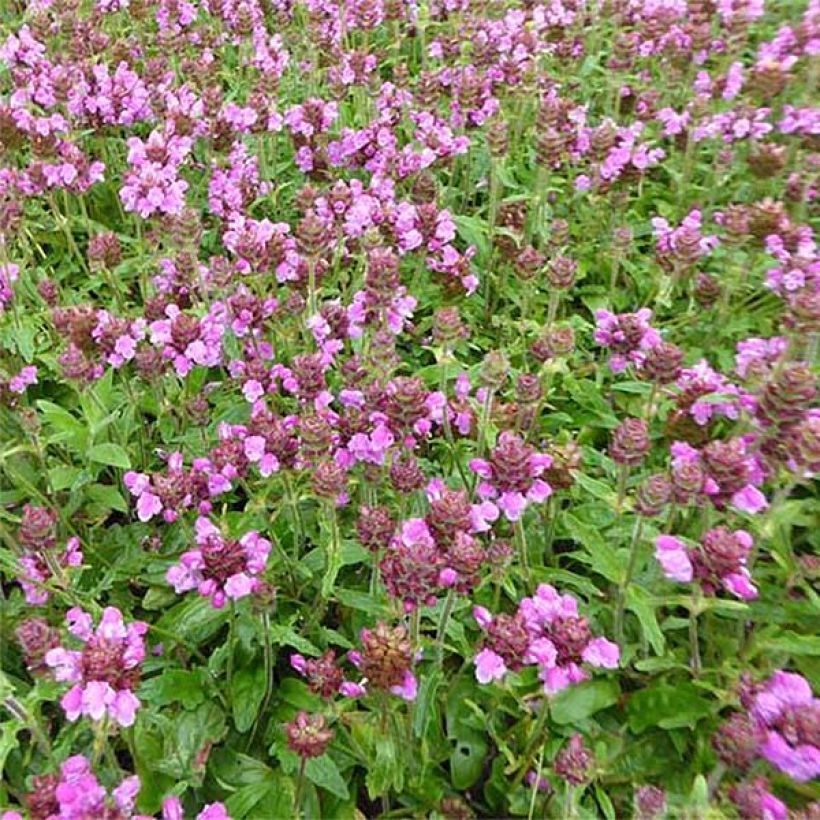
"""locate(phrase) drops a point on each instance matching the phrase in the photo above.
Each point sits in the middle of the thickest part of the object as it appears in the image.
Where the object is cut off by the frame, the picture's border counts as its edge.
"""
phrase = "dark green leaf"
(324, 772)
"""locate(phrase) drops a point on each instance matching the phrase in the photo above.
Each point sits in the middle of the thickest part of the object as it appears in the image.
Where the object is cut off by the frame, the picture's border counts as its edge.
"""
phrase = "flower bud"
(561, 272)
(375, 527)
(308, 735)
(574, 763)
(663, 363)
(653, 495)
(494, 370)
(650, 803)
(630, 442)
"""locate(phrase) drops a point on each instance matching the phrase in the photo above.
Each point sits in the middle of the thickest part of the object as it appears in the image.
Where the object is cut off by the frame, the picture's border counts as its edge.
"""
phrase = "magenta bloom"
(627, 335)
(79, 794)
(105, 671)
(791, 716)
(220, 569)
(36, 571)
(673, 556)
(547, 632)
(25, 378)
(511, 476)
(718, 561)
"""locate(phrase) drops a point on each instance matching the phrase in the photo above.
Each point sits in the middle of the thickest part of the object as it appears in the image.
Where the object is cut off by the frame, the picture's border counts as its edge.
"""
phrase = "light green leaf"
(110, 454)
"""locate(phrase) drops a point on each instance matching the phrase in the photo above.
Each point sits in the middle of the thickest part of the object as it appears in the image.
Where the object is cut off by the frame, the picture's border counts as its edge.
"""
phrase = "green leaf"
(247, 694)
(194, 619)
(68, 429)
(639, 602)
(243, 801)
(110, 454)
(600, 555)
(468, 758)
(323, 772)
(794, 644)
(667, 706)
(426, 702)
(286, 636)
(361, 601)
(8, 739)
(107, 496)
(385, 771)
(174, 686)
(579, 702)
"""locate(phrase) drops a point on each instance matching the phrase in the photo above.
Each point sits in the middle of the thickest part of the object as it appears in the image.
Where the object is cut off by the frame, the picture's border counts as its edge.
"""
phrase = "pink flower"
(673, 556)
(105, 671)
(489, 666)
(790, 714)
(546, 632)
(219, 568)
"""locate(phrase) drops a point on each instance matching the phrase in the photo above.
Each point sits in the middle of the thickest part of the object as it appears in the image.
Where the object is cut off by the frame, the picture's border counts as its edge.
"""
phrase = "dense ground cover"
(409, 409)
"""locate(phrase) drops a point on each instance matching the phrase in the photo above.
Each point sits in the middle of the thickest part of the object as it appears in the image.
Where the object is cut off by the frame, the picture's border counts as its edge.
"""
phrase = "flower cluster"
(105, 672)
(218, 568)
(546, 631)
(76, 794)
(719, 561)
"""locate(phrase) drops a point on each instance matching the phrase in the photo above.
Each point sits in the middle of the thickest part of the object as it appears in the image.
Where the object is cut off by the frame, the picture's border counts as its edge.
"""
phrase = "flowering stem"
(624, 585)
(415, 626)
(297, 517)
(334, 555)
(535, 740)
(267, 651)
(623, 476)
(486, 408)
(521, 538)
(552, 306)
(534, 793)
(448, 430)
(297, 795)
(311, 288)
(446, 611)
(694, 645)
(550, 515)
(569, 802)
(231, 630)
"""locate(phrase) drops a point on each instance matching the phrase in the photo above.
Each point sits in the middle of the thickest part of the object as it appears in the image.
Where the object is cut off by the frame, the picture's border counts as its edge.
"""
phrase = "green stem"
(535, 739)
(521, 539)
(535, 785)
(446, 611)
(694, 643)
(486, 409)
(297, 796)
(624, 585)
(334, 555)
(623, 476)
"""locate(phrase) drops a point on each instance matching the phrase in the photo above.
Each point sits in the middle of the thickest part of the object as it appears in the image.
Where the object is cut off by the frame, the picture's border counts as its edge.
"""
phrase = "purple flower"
(218, 568)
(105, 671)
(673, 556)
(791, 716)
(546, 632)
